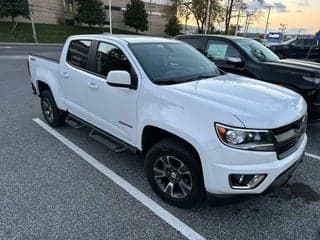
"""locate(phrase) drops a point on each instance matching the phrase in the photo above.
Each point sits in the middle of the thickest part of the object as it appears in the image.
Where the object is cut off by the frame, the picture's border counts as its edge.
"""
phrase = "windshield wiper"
(200, 77)
(183, 80)
(166, 82)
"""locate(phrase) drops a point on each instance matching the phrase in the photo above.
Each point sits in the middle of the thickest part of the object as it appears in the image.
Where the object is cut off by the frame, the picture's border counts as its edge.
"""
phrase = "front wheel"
(174, 173)
(54, 116)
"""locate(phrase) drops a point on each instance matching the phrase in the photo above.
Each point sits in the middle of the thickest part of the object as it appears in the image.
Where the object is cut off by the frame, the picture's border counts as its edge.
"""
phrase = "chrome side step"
(106, 141)
(72, 122)
(99, 135)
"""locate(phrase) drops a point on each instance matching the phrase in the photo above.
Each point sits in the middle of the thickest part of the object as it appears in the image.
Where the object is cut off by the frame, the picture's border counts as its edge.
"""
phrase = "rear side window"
(194, 42)
(110, 58)
(78, 53)
(221, 50)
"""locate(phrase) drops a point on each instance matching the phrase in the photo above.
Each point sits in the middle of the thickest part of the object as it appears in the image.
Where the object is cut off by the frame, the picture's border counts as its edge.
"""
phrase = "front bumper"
(232, 161)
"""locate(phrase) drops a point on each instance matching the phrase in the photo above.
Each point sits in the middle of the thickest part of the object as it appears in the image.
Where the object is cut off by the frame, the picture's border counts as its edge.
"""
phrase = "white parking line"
(312, 156)
(184, 229)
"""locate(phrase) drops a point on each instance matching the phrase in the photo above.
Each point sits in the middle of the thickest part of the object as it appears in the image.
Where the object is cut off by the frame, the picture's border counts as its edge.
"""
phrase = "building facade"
(63, 11)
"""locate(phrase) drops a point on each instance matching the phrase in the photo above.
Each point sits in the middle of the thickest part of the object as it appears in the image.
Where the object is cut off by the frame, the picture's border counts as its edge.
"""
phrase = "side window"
(310, 42)
(78, 53)
(109, 58)
(299, 42)
(194, 42)
(220, 50)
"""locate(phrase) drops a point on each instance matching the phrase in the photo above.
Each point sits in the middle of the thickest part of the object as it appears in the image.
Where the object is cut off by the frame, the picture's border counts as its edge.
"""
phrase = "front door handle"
(65, 74)
(93, 85)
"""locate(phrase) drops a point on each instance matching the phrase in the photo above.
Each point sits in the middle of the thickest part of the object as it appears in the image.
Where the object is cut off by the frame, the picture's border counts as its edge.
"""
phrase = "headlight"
(315, 80)
(247, 139)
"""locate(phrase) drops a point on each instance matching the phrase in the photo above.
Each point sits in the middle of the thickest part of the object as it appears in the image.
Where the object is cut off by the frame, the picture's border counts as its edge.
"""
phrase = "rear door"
(194, 41)
(74, 77)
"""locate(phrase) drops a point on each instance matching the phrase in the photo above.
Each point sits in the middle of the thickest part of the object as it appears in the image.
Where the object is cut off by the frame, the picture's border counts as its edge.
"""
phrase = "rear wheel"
(54, 116)
(174, 172)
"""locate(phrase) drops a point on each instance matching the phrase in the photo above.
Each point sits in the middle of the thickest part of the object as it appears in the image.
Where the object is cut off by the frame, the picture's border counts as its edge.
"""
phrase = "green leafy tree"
(198, 9)
(91, 12)
(13, 9)
(173, 26)
(136, 16)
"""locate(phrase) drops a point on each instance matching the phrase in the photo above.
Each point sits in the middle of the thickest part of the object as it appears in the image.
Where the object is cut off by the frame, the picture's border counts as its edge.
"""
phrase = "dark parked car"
(247, 57)
(303, 48)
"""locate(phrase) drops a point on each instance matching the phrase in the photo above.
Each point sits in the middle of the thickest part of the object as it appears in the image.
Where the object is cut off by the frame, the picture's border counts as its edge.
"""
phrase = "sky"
(300, 15)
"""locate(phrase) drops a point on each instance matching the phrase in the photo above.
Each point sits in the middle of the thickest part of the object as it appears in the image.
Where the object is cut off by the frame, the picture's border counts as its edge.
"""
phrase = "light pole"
(110, 18)
(34, 33)
(207, 17)
(238, 19)
(267, 23)
(283, 27)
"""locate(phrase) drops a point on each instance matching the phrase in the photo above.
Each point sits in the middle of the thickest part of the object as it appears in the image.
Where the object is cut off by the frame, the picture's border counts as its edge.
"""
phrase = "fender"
(52, 81)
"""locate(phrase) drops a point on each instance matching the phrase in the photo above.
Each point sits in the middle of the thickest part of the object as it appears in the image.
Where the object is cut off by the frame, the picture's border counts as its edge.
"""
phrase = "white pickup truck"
(202, 132)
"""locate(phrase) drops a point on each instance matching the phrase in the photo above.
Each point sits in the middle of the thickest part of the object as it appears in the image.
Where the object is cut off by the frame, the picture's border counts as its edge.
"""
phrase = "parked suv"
(250, 58)
(200, 131)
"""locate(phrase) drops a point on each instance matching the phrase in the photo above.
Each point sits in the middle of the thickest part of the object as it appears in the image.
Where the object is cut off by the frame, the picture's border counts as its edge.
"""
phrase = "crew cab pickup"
(200, 132)
(250, 58)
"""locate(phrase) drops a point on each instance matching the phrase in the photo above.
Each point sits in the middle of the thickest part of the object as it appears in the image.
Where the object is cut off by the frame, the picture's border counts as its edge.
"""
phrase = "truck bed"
(54, 57)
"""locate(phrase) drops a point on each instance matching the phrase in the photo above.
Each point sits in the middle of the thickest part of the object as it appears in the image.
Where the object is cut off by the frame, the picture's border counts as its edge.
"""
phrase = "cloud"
(280, 7)
(303, 3)
(299, 11)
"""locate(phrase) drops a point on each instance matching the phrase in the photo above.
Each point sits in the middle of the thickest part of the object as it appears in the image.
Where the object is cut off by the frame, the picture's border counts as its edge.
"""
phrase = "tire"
(54, 116)
(175, 174)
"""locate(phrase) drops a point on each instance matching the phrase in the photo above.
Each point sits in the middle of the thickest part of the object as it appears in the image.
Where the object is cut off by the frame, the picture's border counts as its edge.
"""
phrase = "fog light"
(246, 181)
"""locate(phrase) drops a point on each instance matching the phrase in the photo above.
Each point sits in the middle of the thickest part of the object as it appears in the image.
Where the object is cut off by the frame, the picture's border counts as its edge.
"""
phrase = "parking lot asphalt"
(47, 191)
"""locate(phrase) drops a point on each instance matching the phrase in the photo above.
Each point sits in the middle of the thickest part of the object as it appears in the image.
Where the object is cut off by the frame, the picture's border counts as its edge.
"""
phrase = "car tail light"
(28, 68)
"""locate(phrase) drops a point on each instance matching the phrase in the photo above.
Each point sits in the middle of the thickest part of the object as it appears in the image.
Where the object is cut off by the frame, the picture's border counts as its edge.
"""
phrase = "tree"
(13, 9)
(231, 7)
(136, 16)
(199, 11)
(173, 27)
(91, 12)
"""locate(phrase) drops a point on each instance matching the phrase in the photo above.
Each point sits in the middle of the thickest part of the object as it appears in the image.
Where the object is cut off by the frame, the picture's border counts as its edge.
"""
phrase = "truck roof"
(125, 37)
(211, 35)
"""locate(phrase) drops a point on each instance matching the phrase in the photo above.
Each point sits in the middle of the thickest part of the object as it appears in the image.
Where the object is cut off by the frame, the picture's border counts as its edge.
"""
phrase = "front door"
(113, 109)
(220, 51)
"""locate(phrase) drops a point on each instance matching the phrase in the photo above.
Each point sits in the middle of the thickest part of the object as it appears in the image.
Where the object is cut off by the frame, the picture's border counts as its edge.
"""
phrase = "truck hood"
(294, 65)
(256, 104)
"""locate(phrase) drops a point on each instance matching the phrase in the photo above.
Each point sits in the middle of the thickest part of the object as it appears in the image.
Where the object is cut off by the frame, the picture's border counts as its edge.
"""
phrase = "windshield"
(256, 50)
(171, 63)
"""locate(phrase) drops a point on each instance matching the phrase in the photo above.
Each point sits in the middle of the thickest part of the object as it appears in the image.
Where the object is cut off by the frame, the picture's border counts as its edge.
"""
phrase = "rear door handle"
(92, 85)
(65, 74)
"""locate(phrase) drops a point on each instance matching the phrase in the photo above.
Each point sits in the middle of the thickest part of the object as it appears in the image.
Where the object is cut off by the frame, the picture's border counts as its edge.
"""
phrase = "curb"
(31, 44)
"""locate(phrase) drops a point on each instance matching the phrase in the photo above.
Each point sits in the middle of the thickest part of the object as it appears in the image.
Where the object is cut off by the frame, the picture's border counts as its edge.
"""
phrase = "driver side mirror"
(234, 60)
(119, 79)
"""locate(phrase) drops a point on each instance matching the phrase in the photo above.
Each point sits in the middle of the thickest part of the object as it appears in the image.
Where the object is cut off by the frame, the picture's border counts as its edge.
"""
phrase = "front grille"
(288, 138)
